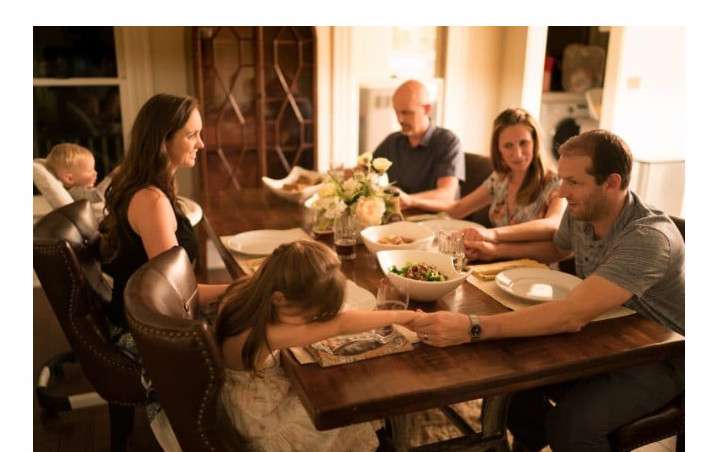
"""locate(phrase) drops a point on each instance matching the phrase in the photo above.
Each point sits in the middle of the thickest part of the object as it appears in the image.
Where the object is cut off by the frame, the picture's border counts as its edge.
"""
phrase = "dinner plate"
(358, 298)
(449, 225)
(262, 242)
(537, 284)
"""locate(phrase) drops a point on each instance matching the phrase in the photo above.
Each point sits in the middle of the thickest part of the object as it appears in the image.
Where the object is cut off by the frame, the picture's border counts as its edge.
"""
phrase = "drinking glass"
(389, 298)
(452, 243)
(345, 236)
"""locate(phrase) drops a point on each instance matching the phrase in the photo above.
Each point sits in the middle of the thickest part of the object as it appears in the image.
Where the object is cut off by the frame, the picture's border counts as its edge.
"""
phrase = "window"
(76, 92)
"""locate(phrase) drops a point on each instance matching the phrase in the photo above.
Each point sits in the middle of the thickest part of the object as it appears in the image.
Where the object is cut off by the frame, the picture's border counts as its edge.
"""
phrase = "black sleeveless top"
(132, 256)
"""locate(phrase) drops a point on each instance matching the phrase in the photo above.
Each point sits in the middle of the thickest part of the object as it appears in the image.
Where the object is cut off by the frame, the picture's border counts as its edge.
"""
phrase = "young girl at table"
(293, 299)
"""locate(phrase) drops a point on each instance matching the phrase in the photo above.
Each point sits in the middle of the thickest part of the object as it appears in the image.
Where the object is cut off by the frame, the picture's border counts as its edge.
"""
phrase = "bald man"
(427, 160)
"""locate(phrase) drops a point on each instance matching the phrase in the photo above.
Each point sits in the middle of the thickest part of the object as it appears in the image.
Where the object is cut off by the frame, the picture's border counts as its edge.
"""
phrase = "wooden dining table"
(430, 377)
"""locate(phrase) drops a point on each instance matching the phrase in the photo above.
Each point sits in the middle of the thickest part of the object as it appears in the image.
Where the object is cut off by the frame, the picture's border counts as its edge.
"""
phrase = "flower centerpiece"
(364, 193)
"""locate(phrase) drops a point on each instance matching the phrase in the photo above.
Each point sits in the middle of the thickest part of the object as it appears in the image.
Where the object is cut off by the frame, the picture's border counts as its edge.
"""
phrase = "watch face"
(475, 331)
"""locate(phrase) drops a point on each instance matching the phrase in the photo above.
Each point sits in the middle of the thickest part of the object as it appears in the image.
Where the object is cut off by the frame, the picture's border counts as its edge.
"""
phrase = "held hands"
(442, 328)
(480, 243)
(480, 234)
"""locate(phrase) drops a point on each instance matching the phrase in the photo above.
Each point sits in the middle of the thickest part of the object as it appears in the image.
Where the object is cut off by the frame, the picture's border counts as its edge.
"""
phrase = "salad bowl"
(393, 261)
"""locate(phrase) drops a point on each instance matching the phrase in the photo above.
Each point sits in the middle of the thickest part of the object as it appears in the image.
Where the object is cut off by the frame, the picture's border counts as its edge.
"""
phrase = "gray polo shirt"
(417, 169)
(643, 252)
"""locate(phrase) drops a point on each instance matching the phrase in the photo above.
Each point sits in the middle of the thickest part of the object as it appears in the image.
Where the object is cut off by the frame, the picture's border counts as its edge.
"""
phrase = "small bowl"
(421, 236)
(421, 290)
(299, 196)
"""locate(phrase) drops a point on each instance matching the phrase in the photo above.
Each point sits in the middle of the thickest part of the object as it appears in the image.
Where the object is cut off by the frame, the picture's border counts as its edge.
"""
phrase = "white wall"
(513, 64)
(171, 69)
(644, 100)
(324, 97)
(472, 80)
(644, 103)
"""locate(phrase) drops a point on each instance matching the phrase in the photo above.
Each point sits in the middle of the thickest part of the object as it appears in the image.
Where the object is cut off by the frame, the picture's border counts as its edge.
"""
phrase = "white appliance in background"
(377, 118)
(660, 183)
(562, 116)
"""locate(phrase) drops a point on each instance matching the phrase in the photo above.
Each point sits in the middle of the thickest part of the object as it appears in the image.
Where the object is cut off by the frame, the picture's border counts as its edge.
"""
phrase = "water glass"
(345, 236)
(389, 298)
(452, 243)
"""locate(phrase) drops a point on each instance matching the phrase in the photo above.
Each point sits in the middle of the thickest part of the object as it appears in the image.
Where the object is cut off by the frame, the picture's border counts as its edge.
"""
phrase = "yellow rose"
(381, 164)
(364, 159)
(327, 190)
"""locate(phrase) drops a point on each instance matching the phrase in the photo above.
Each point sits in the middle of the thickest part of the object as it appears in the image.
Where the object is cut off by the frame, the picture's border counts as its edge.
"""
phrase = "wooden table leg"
(491, 438)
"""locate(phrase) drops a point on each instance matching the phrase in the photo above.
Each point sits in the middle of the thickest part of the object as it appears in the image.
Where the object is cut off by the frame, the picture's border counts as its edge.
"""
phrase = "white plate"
(537, 284)
(449, 225)
(277, 185)
(358, 298)
(262, 242)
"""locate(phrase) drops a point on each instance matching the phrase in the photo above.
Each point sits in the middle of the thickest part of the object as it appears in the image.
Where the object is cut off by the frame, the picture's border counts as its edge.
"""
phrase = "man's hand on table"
(406, 200)
(442, 328)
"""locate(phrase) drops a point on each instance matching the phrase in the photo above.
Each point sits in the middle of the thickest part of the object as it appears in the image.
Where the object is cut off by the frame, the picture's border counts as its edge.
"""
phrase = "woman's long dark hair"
(533, 181)
(308, 276)
(145, 164)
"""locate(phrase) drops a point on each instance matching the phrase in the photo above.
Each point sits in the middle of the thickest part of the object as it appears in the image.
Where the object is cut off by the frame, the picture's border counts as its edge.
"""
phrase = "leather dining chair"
(661, 424)
(66, 261)
(179, 352)
(478, 168)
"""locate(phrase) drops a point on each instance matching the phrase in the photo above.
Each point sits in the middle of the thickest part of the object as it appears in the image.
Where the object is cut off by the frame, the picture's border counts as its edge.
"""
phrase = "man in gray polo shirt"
(427, 160)
(629, 255)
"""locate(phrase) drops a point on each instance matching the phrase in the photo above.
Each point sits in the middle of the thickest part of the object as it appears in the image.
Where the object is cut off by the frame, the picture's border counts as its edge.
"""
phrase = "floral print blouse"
(498, 185)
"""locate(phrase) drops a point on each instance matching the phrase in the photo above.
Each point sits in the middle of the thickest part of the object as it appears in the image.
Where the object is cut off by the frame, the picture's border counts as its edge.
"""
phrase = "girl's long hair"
(145, 164)
(533, 181)
(306, 273)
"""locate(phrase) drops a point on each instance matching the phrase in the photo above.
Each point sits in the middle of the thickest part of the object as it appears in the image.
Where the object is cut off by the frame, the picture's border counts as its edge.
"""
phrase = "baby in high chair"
(74, 166)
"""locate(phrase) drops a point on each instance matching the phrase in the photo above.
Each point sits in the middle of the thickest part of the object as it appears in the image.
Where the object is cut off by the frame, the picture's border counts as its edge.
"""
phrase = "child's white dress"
(265, 410)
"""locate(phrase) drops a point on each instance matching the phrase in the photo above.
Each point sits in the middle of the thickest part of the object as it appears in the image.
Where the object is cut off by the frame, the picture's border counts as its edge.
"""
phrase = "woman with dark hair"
(143, 217)
(523, 196)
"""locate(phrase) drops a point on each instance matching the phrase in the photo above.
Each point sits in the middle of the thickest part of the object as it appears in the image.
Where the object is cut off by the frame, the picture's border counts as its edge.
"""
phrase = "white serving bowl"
(276, 185)
(421, 236)
(421, 290)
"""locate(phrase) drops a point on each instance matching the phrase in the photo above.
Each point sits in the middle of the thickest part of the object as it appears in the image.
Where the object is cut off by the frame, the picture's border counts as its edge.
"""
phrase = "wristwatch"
(474, 328)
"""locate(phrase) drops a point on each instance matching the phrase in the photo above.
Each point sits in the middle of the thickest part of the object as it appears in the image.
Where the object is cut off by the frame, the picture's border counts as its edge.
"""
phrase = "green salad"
(420, 272)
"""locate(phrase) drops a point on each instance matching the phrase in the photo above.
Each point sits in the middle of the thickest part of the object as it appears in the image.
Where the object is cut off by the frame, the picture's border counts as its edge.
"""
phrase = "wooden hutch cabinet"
(257, 94)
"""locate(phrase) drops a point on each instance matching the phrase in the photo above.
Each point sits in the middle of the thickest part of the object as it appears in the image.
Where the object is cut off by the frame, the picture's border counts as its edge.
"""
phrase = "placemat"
(356, 347)
(514, 303)
(359, 298)
(488, 272)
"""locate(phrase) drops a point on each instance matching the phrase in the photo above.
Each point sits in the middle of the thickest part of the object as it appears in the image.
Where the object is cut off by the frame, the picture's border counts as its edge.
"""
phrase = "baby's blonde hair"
(63, 156)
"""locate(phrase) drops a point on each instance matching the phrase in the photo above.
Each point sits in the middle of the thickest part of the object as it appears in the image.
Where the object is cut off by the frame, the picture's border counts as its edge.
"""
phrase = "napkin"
(426, 216)
(355, 347)
(488, 272)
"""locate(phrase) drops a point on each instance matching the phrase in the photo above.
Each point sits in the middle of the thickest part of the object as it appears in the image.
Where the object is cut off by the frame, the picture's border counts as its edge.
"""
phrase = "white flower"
(336, 209)
(364, 159)
(381, 164)
(370, 210)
